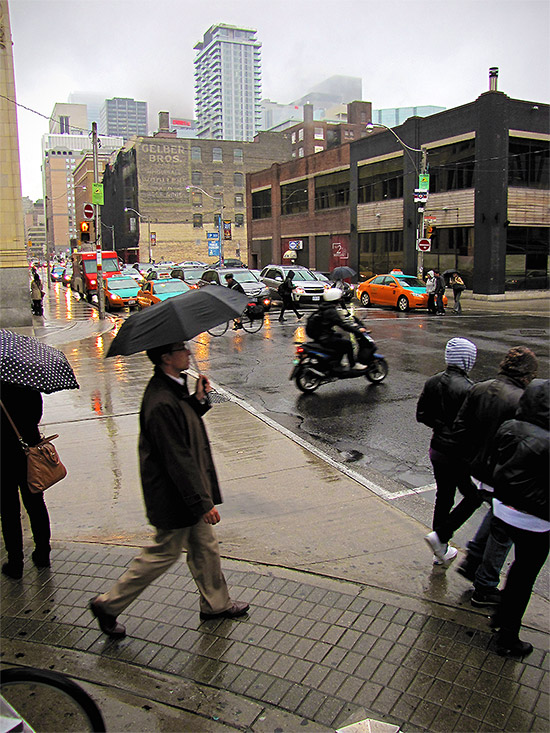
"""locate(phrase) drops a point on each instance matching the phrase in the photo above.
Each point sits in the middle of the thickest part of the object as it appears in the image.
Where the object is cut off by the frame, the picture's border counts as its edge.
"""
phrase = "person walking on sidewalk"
(487, 405)
(457, 284)
(437, 407)
(24, 406)
(430, 289)
(521, 460)
(439, 293)
(180, 490)
(36, 296)
(285, 290)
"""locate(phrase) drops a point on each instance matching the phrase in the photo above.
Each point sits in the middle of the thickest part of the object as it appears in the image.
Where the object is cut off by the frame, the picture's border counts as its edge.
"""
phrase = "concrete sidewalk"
(333, 636)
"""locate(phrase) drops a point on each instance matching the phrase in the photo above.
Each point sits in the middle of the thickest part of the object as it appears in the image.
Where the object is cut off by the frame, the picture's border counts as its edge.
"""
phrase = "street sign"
(212, 235)
(88, 211)
(153, 239)
(424, 245)
(430, 217)
(295, 244)
(213, 248)
(420, 196)
(97, 194)
(424, 182)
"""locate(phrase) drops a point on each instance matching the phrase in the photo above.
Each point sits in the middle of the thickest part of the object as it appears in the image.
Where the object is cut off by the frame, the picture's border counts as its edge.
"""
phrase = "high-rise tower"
(228, 81)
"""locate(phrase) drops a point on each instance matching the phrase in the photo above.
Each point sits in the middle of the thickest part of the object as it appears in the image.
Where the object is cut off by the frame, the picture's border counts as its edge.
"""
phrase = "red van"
(84, 278)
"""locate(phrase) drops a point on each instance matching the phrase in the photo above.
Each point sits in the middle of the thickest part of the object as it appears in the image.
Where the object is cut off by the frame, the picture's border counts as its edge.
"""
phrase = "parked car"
(130, 271)
(157, 273)
(228, 262)
(394, 289)
(155, 291)
(308, 288)
(120, 292)
(256, 291)
(193, 263)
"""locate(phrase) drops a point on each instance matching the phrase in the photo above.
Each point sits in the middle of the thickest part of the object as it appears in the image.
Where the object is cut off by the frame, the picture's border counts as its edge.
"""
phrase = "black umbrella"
(30, 363)
(450, 272)
(178, 319)
(342, 272)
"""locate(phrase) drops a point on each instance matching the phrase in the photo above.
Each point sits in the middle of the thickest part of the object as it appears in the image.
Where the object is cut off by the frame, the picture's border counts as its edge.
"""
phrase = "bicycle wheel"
(252, 325)
(218, 330)
(50, 701)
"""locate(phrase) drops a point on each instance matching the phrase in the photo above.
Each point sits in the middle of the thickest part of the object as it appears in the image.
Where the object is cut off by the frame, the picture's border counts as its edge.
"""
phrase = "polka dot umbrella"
(30, 363)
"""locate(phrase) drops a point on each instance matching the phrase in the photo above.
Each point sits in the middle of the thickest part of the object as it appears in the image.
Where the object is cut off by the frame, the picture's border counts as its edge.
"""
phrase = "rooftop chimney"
(308, 112)
(164, 126)
(493, 78)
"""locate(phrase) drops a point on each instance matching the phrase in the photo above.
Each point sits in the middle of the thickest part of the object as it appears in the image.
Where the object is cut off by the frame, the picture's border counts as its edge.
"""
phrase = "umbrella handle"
(196, 367)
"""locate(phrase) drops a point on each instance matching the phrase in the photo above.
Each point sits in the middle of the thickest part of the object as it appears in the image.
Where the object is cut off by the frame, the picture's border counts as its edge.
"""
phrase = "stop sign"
(424, 245)
(88, 211)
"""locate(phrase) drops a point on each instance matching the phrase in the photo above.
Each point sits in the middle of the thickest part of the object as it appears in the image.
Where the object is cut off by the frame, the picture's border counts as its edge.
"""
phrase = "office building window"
(237, 155)
(261, 204)
(196, 178)
(196, 198)
(300, 152)
(197, 221)
(528, 163)
(239, 199)
(217, 178)
(319, 133)
(217, 156)
(239, 220)
(196, 153)
(301, 133)
(380, 181)
(332, 190)
(238, 180)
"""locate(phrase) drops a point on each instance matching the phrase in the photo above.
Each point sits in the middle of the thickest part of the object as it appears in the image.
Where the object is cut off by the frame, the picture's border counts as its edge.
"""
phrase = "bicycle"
(251, 320)
(27, 697)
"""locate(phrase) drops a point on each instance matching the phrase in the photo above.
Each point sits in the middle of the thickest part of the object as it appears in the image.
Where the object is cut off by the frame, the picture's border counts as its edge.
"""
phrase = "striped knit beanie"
(461, 353)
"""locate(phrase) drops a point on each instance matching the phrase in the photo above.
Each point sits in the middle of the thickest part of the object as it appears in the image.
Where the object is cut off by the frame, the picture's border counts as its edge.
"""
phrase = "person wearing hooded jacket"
(520, 463)
(285, 291)
(437, 407)
(332, 317)
(487, 405)
(430, 289)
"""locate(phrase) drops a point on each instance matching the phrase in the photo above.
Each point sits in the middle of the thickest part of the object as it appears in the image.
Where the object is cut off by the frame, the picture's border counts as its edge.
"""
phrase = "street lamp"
(220, 222)
(423, 171)
(127, 208)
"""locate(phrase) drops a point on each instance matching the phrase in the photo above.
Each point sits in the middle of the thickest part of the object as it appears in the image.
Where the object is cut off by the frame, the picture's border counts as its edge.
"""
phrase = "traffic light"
(84, 231)
(430, 229)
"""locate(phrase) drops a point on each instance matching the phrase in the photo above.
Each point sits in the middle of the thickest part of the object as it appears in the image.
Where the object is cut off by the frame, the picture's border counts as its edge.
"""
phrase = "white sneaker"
(450, 555)
(439, 548)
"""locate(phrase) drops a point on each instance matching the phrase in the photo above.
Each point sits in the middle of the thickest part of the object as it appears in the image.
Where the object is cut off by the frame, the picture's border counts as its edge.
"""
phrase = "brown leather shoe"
(238, 608)
(107, 623)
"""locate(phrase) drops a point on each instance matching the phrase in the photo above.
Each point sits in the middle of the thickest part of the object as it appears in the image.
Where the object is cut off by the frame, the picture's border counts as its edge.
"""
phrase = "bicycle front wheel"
(252, 325)
(218, 330)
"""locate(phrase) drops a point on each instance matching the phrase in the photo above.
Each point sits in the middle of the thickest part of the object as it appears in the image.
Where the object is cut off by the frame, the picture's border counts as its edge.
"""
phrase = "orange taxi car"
(155, 291)
(396, 290)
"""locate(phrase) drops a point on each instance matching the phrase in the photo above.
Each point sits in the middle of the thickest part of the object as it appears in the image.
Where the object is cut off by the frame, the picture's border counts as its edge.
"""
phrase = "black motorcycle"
(315, 364)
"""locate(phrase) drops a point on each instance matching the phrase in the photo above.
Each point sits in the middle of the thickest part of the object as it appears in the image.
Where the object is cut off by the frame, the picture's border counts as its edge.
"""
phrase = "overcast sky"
(407, 52)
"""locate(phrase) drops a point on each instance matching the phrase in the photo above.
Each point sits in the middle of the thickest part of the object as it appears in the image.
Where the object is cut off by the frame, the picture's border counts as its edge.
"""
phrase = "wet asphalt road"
(368, 429)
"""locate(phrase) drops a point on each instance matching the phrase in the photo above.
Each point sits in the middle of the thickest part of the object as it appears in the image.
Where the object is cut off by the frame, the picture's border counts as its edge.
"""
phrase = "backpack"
(314, 325)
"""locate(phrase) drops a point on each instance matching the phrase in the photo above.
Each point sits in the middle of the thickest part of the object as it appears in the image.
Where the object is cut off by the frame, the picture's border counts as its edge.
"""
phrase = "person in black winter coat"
(233, 284)
(285, 291)
(439, 293)
(520, 461)
(437, 407)
(331, 320)
(25, 409)
(487, 405)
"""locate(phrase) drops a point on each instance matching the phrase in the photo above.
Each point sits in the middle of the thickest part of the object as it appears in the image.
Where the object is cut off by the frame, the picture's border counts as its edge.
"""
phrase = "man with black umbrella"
(180, 489)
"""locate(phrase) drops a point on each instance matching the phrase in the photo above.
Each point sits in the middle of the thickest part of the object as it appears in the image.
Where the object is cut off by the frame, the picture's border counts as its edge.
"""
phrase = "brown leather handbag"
(44, 467)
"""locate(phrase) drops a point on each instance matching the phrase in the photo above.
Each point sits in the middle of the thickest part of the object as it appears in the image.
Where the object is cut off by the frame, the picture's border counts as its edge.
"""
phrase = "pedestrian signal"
(84, 231)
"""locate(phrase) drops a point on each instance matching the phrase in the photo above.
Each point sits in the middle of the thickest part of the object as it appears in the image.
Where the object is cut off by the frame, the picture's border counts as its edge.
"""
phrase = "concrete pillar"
(15, 302)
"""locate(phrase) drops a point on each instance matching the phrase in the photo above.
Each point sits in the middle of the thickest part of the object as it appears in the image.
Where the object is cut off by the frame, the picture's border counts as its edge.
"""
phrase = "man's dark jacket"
(439, 403)
(487, 405)
(331, 318)
(177, 471)
(520, 454)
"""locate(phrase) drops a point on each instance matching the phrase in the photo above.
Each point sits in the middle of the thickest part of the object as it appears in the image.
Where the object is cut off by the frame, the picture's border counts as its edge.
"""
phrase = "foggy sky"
(407, 52)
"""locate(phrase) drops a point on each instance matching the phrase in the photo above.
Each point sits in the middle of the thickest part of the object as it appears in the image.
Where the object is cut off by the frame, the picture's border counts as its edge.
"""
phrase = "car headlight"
(299, 290)
(115, 297)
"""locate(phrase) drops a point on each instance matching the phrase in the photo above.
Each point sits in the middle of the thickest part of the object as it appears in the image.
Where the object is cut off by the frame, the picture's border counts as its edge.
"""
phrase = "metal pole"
(97, 224)
(422, 228)
(220, 234)
(149, 235)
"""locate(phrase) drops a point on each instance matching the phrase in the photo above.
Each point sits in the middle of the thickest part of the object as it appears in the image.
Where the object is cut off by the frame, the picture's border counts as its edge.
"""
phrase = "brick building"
(151, 176)
(489, 198)
(313, 136)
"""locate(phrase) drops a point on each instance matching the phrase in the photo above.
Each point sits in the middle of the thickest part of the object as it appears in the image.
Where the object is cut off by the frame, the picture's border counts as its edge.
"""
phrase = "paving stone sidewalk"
(326, 652)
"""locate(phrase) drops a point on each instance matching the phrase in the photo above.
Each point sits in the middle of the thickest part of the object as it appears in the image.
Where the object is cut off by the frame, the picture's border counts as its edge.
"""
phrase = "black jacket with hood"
(520, 454)
(487, 405)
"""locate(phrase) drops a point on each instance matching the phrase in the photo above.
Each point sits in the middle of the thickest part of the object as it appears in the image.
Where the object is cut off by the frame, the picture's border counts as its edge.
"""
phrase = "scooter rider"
(331, 319)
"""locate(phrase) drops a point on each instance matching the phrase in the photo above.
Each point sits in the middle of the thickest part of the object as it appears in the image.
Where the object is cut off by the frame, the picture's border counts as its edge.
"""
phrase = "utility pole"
(97, 224)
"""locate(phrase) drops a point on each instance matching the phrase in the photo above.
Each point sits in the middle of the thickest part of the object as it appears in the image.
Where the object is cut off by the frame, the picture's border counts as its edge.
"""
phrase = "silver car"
(308, 289)
(253, 288)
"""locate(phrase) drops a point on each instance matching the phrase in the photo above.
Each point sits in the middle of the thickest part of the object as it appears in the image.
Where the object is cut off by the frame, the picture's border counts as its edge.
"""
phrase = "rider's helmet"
(332, 295)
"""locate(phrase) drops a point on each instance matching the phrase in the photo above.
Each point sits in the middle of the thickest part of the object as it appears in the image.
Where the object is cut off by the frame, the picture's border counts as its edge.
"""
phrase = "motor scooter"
(315, 364)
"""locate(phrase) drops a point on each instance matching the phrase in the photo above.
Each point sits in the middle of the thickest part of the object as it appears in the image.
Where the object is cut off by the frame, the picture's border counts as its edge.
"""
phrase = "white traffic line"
(367, 483)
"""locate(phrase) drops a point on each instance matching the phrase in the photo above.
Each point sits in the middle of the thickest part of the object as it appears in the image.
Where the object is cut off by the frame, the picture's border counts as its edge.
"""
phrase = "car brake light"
(299, 349)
